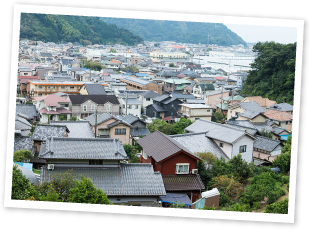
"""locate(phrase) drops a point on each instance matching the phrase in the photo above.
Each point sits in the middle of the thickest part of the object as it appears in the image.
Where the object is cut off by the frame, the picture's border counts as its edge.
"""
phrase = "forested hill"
(86, 30)
(273, 72)
(183, 32)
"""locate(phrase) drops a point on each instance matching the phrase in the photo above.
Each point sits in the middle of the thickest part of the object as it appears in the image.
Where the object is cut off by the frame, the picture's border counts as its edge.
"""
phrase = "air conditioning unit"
(50, 167)
(194, 171)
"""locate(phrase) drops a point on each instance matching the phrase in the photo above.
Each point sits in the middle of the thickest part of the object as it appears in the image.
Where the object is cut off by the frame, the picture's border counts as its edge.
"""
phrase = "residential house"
(92, 89)
(200, 89)
(22, 125)
(231, 140)
(164, 106)
(130, 105)
(27, 111)
(196, 111)
(182, 97)
(85, 105)
(172, 84)
(281, 107)
(264, 102)
(107, 125)
(205, 80)
(175, 162)
(78, 129)
(52, 108)
(138, 126)
(130, 184)
(281, 118)
(146, 98)
(266, 150)
(134, 83)
(23, 83)
(247, 110)
(214, 97)
(195, 101)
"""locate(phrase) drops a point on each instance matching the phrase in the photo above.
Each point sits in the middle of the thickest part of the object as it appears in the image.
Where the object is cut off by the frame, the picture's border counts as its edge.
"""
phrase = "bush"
(61, 183)
(128, 149)
(239, 208)
(283, 161)
(85, 192)
(22, 155)
(279, 207)
(208, 208)
(229, 186)
(224, 199)
(22, 189)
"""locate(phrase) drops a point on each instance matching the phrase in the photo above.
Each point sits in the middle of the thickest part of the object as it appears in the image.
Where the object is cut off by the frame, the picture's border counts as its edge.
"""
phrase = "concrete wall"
(232, 112)
(212, 100)
(227, 148)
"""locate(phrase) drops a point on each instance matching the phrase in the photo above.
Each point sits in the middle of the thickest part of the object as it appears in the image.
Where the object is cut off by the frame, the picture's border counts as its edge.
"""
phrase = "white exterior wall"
(227, 148)
(248, 141)
(276, 151)
(232, 112)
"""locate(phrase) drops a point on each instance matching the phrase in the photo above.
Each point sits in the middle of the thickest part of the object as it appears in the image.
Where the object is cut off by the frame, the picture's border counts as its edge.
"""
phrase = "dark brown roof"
(183, 182)
(160, 146)
(99, 99)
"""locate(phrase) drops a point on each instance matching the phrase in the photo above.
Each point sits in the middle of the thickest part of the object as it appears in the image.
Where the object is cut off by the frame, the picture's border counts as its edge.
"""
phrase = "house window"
(208, 110)
(286, 122)
(182, 169)
(130, 106)
(221, 145)
(148, 99)
(108, 107)
(71, 87)
(63, 87)
(120, 131)
(154, 114)
(95, 162)
(242, 149)
(137, 106)
(40, 87)
(144, 154)
(84, 107)
(123, 105)
(93, 107)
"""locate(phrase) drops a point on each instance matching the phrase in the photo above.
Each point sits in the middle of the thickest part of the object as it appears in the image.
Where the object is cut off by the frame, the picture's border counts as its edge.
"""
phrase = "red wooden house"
(177, 164)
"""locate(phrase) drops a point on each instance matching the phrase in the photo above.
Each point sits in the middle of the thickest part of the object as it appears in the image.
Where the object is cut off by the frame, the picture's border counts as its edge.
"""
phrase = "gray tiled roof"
(78, 129)
(216, 131)
(117, 122)
(278, 130)
(265, 143)
(26, 109)
(23, 143)
(161, 98)
(149, 94)
(139, 132)
(22, 124)
(134, 101)
(281, 107)
(195, 101)
(160, 146)
(100, 118)
(253, 106)
(198, 142)
(42, 131)
(157, 107)
(125, 180)
(83, 148)
(128, 118)
(250, 114)
(260, 126)
(182, 96)
(95, 89)
(183, 182)
(242, 123)
(136, 80)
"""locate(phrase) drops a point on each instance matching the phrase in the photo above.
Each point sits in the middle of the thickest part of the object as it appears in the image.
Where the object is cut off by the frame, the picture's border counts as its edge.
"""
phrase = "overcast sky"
(253, 34)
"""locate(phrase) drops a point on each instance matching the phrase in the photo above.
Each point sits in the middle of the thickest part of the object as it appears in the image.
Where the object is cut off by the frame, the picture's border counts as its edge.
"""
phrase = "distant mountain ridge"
(182, 32)
(68, 28)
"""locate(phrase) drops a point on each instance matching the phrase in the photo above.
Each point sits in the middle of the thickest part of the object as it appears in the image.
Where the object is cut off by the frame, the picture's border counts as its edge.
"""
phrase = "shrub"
(208, 208)
(22, 155)
(128, 149)
(86, 192)
(21, 187)
(239, 208)
(279, 207)
(283, 161)
(229, 186)
(224, 199)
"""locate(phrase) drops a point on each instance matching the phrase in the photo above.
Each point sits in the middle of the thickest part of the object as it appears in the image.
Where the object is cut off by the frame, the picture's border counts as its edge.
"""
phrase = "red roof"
(168, 118)
(176, 46)
(220, 77)
(52, 100)
(58, 111)
(28, 77)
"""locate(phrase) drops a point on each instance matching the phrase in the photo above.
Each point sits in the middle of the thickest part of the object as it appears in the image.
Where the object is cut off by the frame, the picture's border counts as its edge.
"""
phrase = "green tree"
(112, 50)
(279, 207)
(178, 127)
(73, 118)
(22, 155)
(86, 192)
(161, 126)
(93, 66)
(217, 117)
(172, 65)
(22, 189)
(229, 186)
(283, 161)
(266, 133)
(208, 157)
(272, 73)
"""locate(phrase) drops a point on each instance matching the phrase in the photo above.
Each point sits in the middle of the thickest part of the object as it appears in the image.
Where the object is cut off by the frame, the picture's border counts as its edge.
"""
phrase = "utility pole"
(222, 101)
(126, 102)
(96, 124)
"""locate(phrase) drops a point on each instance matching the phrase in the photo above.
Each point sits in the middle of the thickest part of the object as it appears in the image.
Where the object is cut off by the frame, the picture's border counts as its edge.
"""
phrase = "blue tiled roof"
(176, 198)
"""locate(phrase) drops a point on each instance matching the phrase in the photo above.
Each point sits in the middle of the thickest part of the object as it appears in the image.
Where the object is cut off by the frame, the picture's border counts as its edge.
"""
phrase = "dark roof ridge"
(222, 125)
(52, 125)
(85, 139)
(188, 134)
(264, 137)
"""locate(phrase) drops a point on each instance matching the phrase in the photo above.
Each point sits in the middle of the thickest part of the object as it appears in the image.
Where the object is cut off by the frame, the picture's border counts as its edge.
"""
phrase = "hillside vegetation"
(273, 72)
(183, 32)
(67, 28)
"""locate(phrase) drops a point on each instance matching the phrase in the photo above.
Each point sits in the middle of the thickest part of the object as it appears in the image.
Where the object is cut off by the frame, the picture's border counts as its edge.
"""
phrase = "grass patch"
(36, 171)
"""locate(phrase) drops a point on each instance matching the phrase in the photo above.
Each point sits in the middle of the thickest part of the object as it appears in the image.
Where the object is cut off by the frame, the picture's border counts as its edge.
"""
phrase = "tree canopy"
(273, 72)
